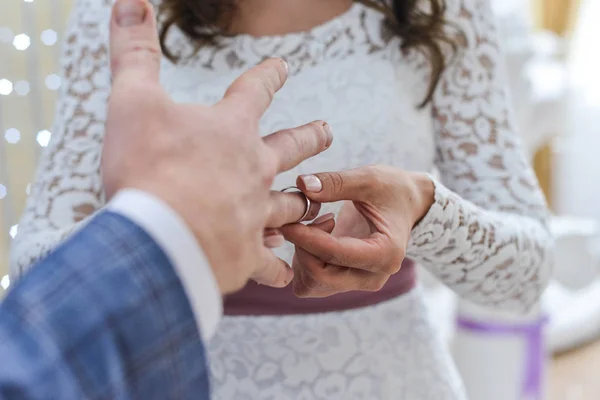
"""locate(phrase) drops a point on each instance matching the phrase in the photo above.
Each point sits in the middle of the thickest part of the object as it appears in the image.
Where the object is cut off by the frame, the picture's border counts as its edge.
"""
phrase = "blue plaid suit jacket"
(103, 317)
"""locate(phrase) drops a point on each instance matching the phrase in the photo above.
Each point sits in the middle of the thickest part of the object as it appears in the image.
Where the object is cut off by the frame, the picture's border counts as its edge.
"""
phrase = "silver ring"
(295, 189)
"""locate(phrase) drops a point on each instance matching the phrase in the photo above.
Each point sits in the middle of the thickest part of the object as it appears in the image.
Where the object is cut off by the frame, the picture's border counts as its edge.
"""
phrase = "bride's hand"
(350, 222)
(371, 234)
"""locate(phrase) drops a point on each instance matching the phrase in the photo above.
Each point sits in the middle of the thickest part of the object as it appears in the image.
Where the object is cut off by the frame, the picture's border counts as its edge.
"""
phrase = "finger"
(366, 254)
(134, 46)
(293, 146)
(315, 279)
(326, 187)
(326, 223)
(273, 239)
(273, 272)
(304, 284)
(255, 89)
(288, 208)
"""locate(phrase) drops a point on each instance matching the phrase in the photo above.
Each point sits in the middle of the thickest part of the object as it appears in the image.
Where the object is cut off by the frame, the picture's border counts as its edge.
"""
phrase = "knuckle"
(238, 282)
(137, 53)
(337, 182)
(267, 274)
(373, 175)
(267, 180)
(394, 262)
(401, 254)
(287, 208)
(375, 183)
(329, 258)
(279, 280)
(374, 284)
(331, 279)
(300, 290)
(321, 137)
(241, 120)
(294, 140)
(379, 284)
(310, 281)
(391, 268)
(314, 276)
(272, 210)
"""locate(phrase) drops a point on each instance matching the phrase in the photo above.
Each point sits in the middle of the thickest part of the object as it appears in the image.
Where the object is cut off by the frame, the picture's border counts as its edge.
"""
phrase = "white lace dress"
(485, 236)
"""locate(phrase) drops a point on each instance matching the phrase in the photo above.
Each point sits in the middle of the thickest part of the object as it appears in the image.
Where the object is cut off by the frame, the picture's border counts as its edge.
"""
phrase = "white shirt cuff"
(174, 237)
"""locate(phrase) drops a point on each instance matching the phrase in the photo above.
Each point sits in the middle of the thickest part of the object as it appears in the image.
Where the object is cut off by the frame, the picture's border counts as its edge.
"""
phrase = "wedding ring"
(295, 189)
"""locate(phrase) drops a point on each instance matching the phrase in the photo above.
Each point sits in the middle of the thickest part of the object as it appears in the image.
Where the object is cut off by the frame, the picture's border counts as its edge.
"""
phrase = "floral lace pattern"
(389, 351)
(501, 214)
(68, 187)
(349, 33)
(485, 237)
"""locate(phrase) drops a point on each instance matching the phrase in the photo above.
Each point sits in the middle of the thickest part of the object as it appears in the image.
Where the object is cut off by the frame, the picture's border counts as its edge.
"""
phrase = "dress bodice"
(350, 72)
(485, 236)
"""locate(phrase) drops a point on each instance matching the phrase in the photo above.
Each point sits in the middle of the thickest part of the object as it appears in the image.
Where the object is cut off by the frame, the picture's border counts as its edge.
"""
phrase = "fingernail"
(323, 218)
(329, 133)
(286, 66)
(274, 241)
(312, 183)
(130, 12)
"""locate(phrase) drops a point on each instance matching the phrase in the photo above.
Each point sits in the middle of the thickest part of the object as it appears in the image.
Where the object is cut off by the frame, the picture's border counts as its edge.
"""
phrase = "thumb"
(327, 187)
(134, 46)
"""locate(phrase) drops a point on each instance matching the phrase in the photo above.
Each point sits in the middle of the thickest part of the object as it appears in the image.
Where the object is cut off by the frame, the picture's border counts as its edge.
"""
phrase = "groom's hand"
(208, 163)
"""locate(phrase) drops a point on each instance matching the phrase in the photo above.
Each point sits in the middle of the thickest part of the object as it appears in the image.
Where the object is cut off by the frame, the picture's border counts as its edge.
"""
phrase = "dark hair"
(419, 23)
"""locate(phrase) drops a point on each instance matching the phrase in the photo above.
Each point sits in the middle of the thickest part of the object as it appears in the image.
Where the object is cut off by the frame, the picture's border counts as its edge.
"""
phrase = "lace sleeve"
(68, 187)
(486, 236)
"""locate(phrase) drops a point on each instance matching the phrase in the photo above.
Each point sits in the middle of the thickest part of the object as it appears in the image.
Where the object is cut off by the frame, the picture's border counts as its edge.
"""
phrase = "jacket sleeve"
(103, 316)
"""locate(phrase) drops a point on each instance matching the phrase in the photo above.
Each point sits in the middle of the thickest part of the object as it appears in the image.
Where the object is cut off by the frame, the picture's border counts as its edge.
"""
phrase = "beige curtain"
(559, 17)
(30, 37)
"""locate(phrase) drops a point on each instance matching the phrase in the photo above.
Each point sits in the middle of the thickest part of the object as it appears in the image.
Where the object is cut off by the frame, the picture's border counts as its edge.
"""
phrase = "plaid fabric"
(103, 317)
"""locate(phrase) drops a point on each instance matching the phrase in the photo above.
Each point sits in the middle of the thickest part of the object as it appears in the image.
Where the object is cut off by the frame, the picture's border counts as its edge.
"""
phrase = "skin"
(278, 17)
(367, 243)
(373, 230)
(176, 152)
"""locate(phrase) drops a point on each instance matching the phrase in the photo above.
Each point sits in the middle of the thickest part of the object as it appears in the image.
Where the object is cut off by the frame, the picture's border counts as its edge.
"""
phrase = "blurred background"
(30, 47)
(553, 62)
